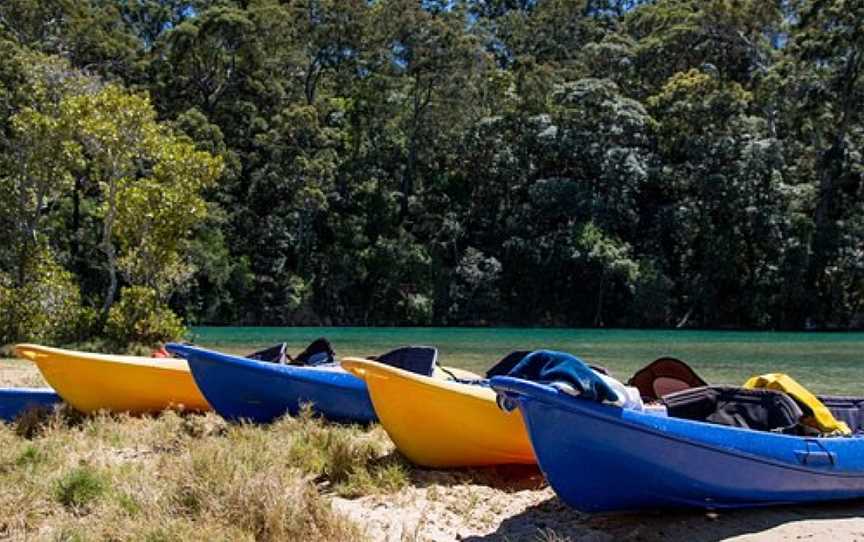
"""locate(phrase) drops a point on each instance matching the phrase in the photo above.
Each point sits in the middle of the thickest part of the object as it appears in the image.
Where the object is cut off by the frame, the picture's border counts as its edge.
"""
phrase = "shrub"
(141, 318)
(45, 308)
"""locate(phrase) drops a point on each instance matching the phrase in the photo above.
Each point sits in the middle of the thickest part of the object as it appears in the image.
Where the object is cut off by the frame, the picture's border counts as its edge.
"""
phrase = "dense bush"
(140, 318)
(45, 308)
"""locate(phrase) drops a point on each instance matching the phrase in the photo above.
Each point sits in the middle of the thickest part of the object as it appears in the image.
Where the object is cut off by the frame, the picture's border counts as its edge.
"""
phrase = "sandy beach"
(515, 504)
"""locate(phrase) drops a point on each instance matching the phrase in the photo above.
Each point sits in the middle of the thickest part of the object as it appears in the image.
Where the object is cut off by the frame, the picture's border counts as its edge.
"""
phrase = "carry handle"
(816, 455)
(354, 367)
(27, 352)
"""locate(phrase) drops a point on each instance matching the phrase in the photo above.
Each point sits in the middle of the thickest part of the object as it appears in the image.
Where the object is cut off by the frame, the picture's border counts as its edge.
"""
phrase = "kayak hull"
(93, 382)
(440, 423)
(244, 389)
(16, 401)
(600, 458)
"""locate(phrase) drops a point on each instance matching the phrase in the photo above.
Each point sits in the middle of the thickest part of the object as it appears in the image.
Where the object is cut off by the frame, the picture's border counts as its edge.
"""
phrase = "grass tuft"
(30, 457)
(353, 461)
(80, 488)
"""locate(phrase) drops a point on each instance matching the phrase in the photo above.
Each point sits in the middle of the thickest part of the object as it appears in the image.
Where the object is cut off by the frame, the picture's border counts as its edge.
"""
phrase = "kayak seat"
(317, 353)
(274, 354)
(760, 410)
(664, 376)
(849, 410)
(415, 359)
(503, 367)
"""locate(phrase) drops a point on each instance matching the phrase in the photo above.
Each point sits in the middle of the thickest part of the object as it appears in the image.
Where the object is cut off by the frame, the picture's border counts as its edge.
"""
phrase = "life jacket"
(816, 414)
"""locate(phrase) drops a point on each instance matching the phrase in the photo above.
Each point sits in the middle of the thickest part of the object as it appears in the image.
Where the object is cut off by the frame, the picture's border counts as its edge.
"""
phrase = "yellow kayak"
(443, 423)
(91, 382)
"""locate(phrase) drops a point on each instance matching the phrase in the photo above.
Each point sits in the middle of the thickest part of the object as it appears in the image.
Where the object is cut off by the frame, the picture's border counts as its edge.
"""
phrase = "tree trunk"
(598, 316)
(313, 73)
(407, 185)
(76, 220)
(108, 247)
(111, 293)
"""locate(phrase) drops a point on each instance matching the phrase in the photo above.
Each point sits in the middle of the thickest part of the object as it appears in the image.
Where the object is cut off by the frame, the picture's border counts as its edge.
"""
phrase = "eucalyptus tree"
(823, 95)
(149, 185)
(39, 155)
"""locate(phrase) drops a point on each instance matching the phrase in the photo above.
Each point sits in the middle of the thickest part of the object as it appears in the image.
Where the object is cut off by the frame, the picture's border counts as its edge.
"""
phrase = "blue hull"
(601, 458)
(244, 389)
(15, 401)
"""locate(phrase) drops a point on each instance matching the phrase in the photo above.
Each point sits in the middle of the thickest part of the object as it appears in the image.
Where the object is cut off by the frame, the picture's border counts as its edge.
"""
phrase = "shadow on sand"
(553, 520)
(503, 477)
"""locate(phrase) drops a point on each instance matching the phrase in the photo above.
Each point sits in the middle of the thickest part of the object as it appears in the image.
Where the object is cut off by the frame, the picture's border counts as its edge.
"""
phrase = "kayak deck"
(92, 382)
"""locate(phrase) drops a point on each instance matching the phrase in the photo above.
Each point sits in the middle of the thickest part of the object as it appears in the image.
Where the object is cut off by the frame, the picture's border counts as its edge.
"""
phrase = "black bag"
(761, 410)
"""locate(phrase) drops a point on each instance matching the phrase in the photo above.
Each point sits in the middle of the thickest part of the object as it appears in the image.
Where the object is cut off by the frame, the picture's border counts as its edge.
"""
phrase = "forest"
(618, 163)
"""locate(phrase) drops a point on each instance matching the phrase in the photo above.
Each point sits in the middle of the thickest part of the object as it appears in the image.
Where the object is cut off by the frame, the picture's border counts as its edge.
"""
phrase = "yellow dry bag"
(821, 417)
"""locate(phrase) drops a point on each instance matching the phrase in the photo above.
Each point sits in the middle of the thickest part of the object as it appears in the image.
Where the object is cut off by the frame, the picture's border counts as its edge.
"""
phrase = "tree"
(474, 294)
(437, 62)
(156, 214)
(726, 36)
(568, 162)
(149, 183)
(724, 209)
(40, 155)
(823, 94)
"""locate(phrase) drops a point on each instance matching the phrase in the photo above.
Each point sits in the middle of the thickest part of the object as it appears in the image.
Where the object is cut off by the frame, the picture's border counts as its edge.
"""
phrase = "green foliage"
(46, 308)
(613, 162)
(474, 296)
(140, 318)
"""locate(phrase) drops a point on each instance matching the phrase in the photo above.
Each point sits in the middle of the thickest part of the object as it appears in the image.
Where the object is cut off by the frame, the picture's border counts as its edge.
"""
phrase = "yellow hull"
(91, 382)
(440, 423)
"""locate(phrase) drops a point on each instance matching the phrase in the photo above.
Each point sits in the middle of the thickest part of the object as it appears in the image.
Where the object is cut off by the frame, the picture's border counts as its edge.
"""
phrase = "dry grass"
(193, 477)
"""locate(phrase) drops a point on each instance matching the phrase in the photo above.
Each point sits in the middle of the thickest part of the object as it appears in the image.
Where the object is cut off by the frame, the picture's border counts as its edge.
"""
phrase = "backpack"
(760, 410)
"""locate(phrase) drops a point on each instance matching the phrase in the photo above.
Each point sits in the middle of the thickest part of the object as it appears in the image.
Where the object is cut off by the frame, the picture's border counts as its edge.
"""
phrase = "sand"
(515, 504)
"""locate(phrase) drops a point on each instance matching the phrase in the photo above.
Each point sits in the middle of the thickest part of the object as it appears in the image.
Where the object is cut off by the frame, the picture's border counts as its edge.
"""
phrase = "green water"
(824, 362)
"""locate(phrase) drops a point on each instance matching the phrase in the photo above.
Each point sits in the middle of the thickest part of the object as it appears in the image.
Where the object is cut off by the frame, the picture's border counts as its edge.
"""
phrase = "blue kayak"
(260, 391)
(600, 458)
(15, 401)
